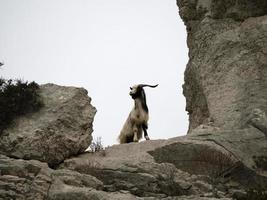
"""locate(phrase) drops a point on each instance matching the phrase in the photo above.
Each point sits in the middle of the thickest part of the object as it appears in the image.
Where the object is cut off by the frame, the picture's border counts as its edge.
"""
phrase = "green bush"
(17, 98)
(97, 145)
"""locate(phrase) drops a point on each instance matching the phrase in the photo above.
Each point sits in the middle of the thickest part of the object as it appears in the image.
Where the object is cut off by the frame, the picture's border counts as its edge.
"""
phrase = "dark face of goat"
(136, 91)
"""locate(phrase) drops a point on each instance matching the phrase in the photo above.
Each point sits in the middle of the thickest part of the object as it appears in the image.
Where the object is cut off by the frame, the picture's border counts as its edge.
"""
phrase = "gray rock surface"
(34, 180)
(62, 128)
(207, 163)
(24, 180)
(226, 76)
(258, 119)
(149, 170)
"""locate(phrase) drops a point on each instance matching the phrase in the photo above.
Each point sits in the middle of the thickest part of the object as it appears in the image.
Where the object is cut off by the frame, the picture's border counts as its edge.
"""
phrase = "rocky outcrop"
(62, 128)
(21, 179)
(226, 76)
(223, 157)
(34, 180)
(208, 164)
(204, 164)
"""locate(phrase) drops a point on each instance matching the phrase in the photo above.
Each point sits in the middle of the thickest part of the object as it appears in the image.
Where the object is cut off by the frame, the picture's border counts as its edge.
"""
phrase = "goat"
(137, 120)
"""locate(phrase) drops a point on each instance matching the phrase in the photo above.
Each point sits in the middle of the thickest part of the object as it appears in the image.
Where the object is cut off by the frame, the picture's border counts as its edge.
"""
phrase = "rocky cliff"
(224, 156)
(226, 76)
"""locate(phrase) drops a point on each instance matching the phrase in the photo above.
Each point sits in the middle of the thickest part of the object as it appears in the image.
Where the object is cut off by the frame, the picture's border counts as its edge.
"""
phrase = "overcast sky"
(105, 46)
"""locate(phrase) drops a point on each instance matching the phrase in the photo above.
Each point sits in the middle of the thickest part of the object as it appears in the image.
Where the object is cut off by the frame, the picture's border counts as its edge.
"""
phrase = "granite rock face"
(226, 76)
(62, 128)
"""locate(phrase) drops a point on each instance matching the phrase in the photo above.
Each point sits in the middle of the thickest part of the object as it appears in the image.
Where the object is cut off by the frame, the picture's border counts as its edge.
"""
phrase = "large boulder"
(226, 76)
(62, 128)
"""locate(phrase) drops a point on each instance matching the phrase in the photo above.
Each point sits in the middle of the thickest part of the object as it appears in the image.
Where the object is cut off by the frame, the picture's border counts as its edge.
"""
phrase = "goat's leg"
(144, 126)
(135, 131)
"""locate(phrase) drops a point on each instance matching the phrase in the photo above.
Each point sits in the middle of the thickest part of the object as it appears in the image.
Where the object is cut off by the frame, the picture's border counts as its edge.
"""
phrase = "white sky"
(104, 46)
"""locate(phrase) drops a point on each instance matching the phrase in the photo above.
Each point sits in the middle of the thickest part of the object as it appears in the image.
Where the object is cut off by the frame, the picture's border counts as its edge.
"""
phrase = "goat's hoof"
(135, 140)
(147, 138)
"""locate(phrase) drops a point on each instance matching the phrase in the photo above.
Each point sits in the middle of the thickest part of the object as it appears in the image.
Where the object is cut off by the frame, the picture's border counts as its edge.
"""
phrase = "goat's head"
(137, 90)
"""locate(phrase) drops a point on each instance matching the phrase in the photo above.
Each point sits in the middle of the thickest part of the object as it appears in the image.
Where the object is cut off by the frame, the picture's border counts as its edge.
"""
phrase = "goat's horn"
(145, 85)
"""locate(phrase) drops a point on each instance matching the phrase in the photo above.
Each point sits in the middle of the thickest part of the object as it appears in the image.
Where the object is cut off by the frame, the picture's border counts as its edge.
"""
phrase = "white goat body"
(137, 120)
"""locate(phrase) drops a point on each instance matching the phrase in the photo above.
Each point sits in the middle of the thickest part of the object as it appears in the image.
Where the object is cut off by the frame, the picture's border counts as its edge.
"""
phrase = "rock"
(24, 180)
(76, 179)
(186, 198)
(136, 172)
(226, 76)
(239, 194)
(191, 10)
(226, 94)
(72, 185)
(258, 119)
(227, 146)
(62, 128)
(34, 180)
(197, 164)
(65, 192)
(205, 166)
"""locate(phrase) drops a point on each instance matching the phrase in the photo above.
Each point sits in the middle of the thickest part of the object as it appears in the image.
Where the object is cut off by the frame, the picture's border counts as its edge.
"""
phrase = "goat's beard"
(134, 96)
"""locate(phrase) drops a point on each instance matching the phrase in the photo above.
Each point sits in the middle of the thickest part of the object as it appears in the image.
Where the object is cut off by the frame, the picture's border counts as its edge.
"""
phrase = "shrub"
(97, 146)
(17, 98)
(215, 162)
